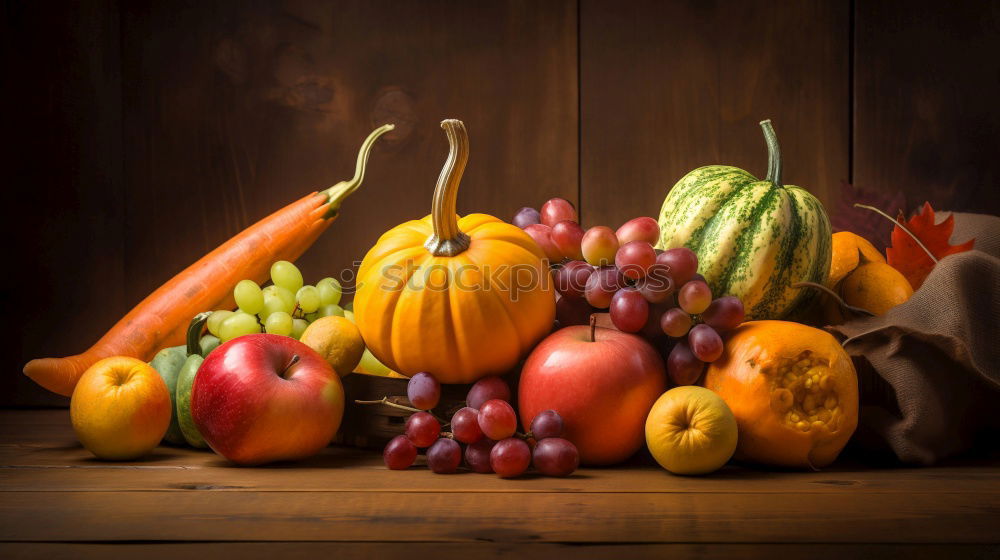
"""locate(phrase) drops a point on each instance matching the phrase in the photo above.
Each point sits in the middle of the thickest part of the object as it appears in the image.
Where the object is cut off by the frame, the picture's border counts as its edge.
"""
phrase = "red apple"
(602, 387)
(263, 397)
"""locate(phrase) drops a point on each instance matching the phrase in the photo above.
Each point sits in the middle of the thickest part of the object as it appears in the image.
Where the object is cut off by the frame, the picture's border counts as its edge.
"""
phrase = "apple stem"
(294, 360)
(593, 326)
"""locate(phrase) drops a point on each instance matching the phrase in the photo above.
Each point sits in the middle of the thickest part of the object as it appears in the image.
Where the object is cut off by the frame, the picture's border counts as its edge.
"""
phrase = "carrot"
(161, 319)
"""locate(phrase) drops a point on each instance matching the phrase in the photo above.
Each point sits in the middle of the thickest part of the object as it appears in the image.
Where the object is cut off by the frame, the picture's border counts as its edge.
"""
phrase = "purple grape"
(547, 424)
(486, 389)
(510, 457)
(422, 429)
(399, 453)
(465, 425)
(527, 216)
(423, 391)
(683, 367)
(444, 456)
(477, 455)
(555, 457)
(706, 344)
(724, 314)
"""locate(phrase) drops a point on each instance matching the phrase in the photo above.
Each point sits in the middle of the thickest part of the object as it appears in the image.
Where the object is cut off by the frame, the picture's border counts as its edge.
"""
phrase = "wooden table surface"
(57, 501)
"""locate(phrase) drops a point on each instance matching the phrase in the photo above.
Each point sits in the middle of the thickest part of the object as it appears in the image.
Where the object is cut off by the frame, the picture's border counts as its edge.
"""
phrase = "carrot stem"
(337, 193)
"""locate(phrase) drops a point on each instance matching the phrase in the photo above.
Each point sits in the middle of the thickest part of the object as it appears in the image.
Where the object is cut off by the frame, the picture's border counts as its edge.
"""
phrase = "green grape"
(369, 364)
(349, 315)
(249, 297)
(329, 291)
(215, 320)
(328, 310)
(287, 297)
(273, 304)
(279, 322)
(298, 327)
(238, 324)
(349, 306)
(286, 275)
(310, 317)
(308, 298)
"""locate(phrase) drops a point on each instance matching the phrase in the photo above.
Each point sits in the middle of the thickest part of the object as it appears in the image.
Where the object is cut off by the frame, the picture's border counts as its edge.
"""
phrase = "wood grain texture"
(666, 87)
(525, 551)
(63, 200)
(52, 490)
(927, 81)
(499, 516)
(236, 109)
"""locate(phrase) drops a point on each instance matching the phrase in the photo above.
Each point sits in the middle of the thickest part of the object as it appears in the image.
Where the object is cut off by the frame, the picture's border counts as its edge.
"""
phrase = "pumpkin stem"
(773, 153)
(336, 194)
(447, 240)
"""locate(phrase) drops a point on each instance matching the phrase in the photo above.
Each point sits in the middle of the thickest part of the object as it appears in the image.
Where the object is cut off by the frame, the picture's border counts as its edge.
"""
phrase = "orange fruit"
(337, 340)
(876, 287)
(120, 408)
(792, 389)
(848, 250)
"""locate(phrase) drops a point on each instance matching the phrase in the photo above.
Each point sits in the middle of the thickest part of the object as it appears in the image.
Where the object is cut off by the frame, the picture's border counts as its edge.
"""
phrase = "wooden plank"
(670, 86)
(524, 551)
(338, 470)
(38, 452)
(925, 90)
(509, 517)
(236, 109)
(64, 196)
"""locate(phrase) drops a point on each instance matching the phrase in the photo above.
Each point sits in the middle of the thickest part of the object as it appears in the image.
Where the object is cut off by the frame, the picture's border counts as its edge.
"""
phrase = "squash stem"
(447, 240)
(773, 153)
(194, 332)
(902, 227)
(336, 194)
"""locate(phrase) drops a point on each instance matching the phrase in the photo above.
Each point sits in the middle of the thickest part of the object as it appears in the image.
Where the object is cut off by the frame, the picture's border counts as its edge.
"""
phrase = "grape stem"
(387, 402)
(901, 226)
(836, 297)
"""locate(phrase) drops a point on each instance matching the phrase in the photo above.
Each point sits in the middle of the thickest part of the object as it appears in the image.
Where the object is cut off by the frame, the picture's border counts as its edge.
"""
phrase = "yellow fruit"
(690, 430)
(875, 287)
(120, 408)
(848, 250)
(337, 340)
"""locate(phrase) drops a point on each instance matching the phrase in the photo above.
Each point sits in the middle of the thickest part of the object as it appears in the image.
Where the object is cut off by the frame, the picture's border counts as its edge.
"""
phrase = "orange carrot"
(161, 319)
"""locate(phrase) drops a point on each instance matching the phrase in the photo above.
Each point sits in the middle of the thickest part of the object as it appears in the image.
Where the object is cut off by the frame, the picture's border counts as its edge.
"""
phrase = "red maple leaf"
(906, 256)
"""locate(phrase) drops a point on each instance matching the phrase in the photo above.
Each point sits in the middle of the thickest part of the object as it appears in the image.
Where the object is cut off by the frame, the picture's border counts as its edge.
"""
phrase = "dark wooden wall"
(145, 133)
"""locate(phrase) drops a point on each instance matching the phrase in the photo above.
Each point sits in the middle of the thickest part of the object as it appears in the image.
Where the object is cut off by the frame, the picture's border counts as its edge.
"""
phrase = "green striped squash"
(753, 238)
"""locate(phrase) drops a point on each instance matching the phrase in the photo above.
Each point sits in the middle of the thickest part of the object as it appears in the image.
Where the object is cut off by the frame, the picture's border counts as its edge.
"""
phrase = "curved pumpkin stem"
(447, 240)
(773, 153)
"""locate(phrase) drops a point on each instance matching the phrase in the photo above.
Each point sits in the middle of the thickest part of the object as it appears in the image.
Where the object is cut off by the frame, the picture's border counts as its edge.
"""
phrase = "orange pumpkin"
(793, 390)
(460, 298)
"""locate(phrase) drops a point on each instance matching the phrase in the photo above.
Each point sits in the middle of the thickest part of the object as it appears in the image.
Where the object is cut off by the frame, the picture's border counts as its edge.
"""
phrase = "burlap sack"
(929, 369)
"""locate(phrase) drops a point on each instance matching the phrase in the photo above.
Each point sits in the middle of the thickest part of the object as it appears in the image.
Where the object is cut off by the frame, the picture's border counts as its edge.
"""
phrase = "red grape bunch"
(645, 291)
(487, 425)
